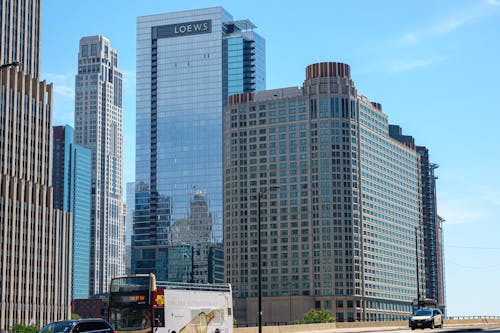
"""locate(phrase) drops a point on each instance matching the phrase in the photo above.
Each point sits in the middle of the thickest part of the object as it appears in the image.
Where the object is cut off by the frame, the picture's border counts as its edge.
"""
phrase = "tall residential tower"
(35, 238)
(98, 127)
(339, 232)
(187, 64)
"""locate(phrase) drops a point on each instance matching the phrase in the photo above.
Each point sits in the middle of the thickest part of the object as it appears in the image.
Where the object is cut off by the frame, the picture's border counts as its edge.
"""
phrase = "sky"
(433, 65)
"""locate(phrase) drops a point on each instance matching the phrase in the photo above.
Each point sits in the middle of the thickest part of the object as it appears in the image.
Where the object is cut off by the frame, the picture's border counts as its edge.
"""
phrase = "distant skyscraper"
(98, 126)
(35, 238)
(128, 225)
(432, 233)
(187, 63)
(339, 233)
(72, 177)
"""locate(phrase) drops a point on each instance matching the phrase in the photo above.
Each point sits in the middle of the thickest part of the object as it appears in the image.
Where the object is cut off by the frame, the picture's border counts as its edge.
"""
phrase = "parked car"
(426, 318)
(95, 325)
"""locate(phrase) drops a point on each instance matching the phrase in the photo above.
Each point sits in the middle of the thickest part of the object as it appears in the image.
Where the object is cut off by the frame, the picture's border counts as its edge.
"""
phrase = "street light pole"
(259, 263)
(259, 259)
(418, 268)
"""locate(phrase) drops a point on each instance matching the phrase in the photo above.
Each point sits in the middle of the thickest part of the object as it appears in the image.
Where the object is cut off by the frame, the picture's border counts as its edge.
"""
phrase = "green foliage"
(19, 328)
(75, 316)
(235, 323)
(317, 316)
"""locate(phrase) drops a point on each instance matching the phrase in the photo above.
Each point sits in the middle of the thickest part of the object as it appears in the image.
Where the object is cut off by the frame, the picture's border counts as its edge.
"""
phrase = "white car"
(426, 318)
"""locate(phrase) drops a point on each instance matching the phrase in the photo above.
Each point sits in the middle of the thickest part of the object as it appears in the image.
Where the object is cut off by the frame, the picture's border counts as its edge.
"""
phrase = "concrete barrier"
(357, 326)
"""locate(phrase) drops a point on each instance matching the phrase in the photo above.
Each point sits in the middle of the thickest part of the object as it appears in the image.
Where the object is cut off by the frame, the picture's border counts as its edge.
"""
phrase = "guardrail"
(283, 323)
(470, 317)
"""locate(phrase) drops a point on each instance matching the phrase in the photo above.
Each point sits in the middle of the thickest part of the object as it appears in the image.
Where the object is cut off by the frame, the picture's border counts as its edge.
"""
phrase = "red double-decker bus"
(140, 304)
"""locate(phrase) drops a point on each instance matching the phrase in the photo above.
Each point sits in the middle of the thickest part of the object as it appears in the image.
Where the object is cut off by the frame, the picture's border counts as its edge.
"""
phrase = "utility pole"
(418, 267)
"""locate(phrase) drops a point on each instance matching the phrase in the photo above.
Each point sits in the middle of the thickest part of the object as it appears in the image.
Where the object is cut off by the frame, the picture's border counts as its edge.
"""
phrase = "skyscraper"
(20, 33)
(35, 238)
(187, 63)
(71, 178)
(130, 202)
(432, 232)
(339, 233)
(98, 127)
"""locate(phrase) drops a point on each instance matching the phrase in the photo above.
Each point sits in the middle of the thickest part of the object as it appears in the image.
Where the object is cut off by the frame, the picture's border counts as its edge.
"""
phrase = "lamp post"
(259, 198)
(418, 268)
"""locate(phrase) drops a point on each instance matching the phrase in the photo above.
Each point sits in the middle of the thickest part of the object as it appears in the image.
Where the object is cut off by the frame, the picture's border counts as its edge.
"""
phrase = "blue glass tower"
(187, 65)
(72, 181)
(246, 53)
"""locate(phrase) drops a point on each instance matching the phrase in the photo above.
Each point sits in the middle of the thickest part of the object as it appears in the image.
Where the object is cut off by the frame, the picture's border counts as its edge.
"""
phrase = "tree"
(75, 316)
(317, 316)
(20, 328)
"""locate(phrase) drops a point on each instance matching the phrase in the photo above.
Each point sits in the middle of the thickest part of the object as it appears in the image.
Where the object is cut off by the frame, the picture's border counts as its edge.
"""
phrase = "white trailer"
(197, 308)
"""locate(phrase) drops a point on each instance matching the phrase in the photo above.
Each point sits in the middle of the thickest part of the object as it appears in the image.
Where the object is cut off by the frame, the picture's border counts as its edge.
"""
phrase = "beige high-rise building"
(339, 233)
(20, 34)
(98, 127)
(35, 239)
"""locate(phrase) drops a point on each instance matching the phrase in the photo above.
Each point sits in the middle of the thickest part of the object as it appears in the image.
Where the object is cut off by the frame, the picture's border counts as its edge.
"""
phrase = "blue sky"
(433, 65)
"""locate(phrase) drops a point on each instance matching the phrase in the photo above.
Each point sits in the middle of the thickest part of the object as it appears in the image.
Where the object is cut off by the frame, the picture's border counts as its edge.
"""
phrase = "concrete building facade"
(35, 238)
(339, 233)
(98, 127)
(187, 62)
(432, 231)
(20, 34)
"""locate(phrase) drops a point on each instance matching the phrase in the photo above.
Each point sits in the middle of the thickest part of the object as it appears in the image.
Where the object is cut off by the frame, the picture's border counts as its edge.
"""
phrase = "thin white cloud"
(404, 66)
(53, 77)
(129, 78)
(410, 39)
(490, 194)
(493, 2)
(63, 84)
(64, 90)
(449, 24)
(454, 23)
(479, 205)
(64, 97)
(461, 211)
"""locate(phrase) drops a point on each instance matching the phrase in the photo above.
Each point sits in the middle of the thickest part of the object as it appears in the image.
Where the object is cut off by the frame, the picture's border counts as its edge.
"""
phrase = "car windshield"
(61, 327)
(423, 313)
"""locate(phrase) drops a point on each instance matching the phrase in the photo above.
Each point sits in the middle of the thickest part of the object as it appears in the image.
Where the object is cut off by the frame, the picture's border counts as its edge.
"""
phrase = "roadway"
(478, 327)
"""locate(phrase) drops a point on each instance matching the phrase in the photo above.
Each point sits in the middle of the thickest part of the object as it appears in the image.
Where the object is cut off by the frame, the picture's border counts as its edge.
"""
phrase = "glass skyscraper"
(130, 206)
(187, 63)
(71, 179)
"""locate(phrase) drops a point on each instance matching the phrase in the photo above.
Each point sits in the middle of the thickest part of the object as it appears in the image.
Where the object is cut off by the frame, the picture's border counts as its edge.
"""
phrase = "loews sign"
(182, 29)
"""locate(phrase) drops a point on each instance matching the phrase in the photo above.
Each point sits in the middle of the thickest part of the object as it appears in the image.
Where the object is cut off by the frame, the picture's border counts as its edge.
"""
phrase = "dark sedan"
(95, 325)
